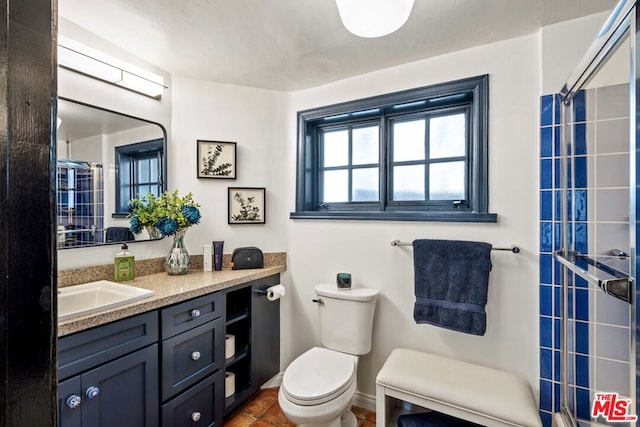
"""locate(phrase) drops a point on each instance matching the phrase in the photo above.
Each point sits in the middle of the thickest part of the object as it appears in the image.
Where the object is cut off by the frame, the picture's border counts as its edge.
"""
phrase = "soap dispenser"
(124, 266)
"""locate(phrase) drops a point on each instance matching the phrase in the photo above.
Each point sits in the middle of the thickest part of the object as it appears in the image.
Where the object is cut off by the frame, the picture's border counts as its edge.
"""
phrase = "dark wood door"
(28, 270)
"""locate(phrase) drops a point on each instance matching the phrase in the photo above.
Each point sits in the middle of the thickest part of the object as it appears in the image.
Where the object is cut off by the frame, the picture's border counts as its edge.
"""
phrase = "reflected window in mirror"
(138, 172)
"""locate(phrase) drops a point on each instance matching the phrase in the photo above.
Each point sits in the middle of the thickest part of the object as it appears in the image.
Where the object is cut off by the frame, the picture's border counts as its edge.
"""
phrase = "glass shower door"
(596, 236)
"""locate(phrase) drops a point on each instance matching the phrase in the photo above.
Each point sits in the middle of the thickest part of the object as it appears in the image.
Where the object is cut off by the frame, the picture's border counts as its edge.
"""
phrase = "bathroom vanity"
(164, 365)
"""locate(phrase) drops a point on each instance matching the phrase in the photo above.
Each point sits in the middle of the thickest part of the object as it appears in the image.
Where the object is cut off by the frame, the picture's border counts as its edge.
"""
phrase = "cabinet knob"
(73, 401)
(195, 313)
(92, 392)
(196, 416)
(195, 355)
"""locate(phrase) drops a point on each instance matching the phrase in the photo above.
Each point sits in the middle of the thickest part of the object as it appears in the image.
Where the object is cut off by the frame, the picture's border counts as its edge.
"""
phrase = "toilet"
(318, 387)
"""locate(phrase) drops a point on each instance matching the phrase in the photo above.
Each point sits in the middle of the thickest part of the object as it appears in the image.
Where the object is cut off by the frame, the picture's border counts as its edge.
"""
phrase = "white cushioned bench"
(475, 393)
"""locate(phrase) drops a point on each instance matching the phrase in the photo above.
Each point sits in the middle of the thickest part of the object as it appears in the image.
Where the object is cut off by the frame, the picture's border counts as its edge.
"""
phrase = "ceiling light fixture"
(82, 59)
(374, 18)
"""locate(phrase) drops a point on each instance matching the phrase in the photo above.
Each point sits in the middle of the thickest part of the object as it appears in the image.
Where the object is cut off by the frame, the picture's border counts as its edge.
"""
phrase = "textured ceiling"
(297, 44)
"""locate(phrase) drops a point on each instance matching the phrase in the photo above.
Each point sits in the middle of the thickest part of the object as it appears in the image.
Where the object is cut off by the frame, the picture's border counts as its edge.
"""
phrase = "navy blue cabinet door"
(121, 393)
(70, 403)
(265, 326)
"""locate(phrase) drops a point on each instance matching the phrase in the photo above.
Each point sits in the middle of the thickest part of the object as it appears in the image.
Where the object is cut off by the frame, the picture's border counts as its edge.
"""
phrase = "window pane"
(143, 190)
(365, 145)
(447, 136)
(365, 185)
(154, 172)
(408, 140)
(336, 186)
(142, 171)
(446, 181)
(336, 148)
(408, 182)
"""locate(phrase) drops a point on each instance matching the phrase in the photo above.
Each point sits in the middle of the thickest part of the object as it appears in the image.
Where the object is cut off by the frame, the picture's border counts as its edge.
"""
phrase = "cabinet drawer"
(201, 405)
(189, 314)
(189, 357)
(87, 349)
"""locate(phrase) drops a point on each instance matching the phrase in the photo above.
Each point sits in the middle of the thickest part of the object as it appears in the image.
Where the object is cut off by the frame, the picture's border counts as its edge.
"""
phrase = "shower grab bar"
(515, 249)
(618, 287)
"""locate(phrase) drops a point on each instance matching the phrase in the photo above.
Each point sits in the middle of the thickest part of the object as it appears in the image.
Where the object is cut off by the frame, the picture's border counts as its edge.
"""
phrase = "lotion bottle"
(124, 266)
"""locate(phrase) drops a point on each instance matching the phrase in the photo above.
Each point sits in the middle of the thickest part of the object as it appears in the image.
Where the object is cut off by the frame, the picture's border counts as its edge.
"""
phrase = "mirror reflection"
(105, 159)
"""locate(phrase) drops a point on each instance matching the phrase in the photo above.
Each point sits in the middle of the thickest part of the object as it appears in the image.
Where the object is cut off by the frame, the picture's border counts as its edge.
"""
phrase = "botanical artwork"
(216, 159)
(246, 205)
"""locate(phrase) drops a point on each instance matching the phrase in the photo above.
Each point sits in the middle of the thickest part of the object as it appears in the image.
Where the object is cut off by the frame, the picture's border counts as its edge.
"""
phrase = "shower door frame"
(623, 21)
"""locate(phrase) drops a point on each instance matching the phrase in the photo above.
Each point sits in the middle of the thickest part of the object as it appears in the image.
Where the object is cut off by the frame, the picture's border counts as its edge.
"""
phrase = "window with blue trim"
(415, 155)
(138, 172)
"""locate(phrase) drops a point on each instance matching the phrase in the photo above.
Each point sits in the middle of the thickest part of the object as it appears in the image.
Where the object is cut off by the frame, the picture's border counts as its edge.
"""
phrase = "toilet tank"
(346, 318)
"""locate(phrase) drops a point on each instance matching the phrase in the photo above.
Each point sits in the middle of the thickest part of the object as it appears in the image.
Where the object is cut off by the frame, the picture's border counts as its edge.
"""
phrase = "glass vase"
(154, 233)
(178, 260)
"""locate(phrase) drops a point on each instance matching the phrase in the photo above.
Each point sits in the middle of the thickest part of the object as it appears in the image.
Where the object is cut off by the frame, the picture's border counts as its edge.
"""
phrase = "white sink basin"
(80, 300)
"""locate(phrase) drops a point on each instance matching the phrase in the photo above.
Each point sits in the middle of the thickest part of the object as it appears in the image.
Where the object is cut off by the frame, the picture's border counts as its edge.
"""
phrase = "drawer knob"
(195, 313)
(73, 401)
(92, 392)
(195, 355)
(196, 416)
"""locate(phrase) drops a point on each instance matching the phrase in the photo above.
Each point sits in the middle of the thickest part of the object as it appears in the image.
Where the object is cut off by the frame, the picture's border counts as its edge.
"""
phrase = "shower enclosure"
(80, 204)
(595, 189)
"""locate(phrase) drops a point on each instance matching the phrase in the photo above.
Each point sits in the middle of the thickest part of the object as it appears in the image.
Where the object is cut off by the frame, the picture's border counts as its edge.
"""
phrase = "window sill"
(434, 216)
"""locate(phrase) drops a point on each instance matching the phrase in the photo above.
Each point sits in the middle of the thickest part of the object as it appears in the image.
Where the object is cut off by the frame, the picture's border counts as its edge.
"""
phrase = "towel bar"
(515, 249)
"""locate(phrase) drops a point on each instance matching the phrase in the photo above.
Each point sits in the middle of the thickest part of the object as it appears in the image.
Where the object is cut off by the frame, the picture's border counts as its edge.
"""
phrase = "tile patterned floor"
(263, 410)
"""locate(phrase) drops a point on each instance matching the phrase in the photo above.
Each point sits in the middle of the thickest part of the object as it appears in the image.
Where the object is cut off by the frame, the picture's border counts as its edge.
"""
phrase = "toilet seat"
(318, 376)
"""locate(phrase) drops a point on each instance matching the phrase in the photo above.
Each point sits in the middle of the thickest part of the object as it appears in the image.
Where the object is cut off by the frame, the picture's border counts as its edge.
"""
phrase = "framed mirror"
(105, 159)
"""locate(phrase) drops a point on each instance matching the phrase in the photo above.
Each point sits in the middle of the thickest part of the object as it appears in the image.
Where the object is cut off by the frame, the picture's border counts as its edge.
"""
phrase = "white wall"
(253, 119)
(563, 45)
(319, 249)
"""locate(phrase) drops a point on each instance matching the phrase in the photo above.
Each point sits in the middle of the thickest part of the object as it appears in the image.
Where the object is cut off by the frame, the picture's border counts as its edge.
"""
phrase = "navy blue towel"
(451, 284)
(432, 419)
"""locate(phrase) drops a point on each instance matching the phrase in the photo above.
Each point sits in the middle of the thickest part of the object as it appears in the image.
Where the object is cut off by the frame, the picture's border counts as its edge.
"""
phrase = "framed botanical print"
(246, 205)
(217, 159)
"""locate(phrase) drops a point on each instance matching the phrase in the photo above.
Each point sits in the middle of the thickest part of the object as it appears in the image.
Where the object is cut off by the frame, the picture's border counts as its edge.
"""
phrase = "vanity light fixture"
(85, 60)
(374, 18)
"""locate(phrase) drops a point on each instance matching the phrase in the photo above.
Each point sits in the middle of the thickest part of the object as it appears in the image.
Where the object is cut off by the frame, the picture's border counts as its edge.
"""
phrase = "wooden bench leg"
(384, 407)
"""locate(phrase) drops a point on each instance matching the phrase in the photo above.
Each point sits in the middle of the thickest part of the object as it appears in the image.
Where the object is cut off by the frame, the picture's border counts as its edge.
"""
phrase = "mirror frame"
(164, 167)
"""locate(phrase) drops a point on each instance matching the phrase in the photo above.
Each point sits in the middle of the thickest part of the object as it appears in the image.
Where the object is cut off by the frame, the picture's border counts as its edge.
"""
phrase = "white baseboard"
(275, 381)
(364, 401)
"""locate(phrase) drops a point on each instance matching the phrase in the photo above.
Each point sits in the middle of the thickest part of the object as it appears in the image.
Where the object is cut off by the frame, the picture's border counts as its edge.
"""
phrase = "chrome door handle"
(195, 313)
(195, 355)
(196, 416)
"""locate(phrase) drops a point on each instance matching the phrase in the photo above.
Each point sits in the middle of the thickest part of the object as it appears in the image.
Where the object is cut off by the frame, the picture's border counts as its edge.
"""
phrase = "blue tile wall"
(546, 110)
(550, 270)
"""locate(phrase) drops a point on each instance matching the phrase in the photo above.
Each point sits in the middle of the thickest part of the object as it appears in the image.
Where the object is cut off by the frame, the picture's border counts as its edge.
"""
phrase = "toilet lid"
(318, 375)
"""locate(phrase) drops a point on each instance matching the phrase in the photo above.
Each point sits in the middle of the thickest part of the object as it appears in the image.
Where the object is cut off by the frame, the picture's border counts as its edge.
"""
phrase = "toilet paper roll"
(229, 384)
(229, 346)
(275, 292)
